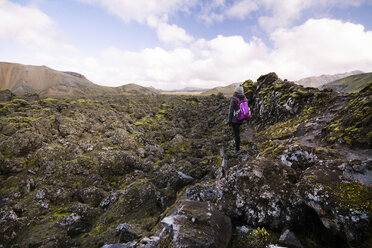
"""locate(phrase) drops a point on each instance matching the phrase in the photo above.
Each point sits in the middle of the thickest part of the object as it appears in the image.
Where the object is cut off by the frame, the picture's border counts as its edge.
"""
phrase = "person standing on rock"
(232, 119)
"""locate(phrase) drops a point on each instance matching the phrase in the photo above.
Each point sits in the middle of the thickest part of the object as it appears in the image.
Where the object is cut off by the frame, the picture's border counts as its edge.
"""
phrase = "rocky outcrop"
(352, 124)
(289, 239)
(260, 192)
(6, 95)
(198, 224)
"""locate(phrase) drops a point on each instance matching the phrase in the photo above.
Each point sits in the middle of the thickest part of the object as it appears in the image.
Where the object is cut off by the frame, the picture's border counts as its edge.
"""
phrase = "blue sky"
(188, 43)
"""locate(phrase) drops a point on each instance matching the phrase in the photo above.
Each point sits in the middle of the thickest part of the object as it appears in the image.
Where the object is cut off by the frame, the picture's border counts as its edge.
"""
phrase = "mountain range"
(226, 90)
(23, 79)
(42, 80)
(350, 84)
(318, 81)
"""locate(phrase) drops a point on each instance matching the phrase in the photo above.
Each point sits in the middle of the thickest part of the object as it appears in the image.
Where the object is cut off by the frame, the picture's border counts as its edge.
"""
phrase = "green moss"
(83, 101)
(309, 111)
(20, 102)
(10, 184)
(352, 122)
(58, 212)
(284, 97)
(264, 91)
(295, 95)
(147, 120)
(280, 130)
(278, 86)
(354, 195)
(163, 112)
(179, 147)
(7, 105)
(157, 163)
(305, 93)
(258, 238)
(50, 100)
(138, 124)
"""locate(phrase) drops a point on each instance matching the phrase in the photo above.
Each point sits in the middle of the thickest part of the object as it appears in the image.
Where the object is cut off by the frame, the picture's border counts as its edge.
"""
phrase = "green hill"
(351, 84)
(226, 90)
(318, 81)
(24, 79)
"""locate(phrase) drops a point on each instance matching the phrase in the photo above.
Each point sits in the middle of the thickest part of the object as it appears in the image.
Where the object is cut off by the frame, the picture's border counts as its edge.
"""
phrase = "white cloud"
(313, 48)
(203, 64)
(154, 13)
(169, 34)
(242, 9)
(211, 10)
(322, 46)
(272, 14)
(29, 27)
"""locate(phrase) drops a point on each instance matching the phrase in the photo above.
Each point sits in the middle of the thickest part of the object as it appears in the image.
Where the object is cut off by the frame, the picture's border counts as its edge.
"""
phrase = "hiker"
(236, 117)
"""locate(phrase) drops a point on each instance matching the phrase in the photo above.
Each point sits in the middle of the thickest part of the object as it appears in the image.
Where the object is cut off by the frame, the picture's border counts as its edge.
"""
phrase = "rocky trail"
(158, 171)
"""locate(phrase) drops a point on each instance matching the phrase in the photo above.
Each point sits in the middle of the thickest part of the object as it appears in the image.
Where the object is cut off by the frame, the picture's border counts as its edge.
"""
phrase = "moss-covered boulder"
(262, 192)
(198, 224)
(6, 95)
(91, 195)
(273, 100)
(117, 162)
(352, 124)
(343, 206)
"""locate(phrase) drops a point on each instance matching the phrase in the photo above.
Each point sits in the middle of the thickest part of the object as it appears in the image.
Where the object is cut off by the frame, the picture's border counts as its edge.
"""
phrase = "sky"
(173, 44)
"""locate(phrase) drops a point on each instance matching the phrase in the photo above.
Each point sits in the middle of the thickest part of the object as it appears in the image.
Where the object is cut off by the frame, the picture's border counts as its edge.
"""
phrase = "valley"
(157, 170)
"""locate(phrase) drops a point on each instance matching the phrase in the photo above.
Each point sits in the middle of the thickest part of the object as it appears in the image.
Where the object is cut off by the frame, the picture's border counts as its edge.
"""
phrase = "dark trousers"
(236, 129)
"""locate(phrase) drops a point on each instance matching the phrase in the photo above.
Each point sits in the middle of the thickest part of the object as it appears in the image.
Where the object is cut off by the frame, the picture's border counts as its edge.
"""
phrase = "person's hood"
(240, 96)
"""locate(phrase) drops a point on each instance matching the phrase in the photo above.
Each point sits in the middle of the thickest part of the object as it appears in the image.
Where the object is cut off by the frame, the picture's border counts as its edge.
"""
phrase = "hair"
(235, 93)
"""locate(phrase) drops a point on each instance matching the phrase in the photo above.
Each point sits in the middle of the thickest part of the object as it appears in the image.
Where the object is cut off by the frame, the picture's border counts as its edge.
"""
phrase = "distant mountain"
(324, 79)
(226, 90)
(351, 84)
(22, 79)
(189, 89)
(135, 89)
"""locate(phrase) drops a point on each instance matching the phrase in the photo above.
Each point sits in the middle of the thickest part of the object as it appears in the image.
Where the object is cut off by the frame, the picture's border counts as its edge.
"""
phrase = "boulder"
(117, 162)
(126, 232)
(202, 192)
(258, 191)
(6, 95)
(288, 238)
(22, 143)
(150, 242)
(128, 245)
(298, 157)
(68, 126)
(198, 224)
(86, 211)
(342, 206)
(10, 225)
(111, 198)
(139, 195)
(91, 195)
(8, 166)
(168, 176)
